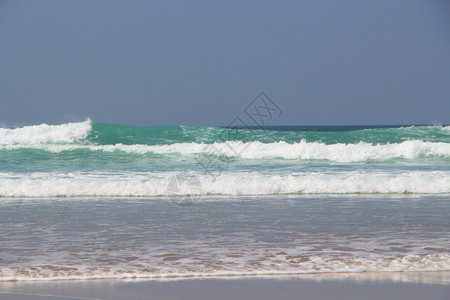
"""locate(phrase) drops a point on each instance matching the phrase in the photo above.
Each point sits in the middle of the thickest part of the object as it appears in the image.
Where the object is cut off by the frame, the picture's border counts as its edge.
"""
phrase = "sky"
(149, 63)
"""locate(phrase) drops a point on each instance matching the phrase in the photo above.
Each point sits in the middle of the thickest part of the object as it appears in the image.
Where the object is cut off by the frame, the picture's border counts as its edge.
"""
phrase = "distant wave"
(107, 134)
(209, 140)
(46, 134)
(303, 150)
(131, 184)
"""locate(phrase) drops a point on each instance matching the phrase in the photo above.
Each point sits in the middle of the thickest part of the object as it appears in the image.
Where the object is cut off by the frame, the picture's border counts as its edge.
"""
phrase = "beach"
(224, 150)
(242, 288)
(116, 238)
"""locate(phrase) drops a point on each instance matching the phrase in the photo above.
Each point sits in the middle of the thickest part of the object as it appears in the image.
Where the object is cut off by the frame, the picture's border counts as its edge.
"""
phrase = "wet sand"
(214, 288)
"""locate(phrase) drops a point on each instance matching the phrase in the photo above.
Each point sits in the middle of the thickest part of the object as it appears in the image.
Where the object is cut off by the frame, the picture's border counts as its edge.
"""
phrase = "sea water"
(86, 200)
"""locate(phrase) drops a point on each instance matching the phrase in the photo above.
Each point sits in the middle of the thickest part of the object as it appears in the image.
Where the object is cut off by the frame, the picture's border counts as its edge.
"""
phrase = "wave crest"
(46, 134)
(303, 150)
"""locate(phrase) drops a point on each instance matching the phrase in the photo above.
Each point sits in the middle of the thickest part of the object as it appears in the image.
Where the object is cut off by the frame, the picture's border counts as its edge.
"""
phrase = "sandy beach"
(214, 288)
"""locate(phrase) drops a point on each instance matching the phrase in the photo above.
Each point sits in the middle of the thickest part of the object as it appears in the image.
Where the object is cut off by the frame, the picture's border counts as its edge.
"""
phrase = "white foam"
(130, 184)
(219, 264)
(411, 149)
(340, 152)
(45, 134)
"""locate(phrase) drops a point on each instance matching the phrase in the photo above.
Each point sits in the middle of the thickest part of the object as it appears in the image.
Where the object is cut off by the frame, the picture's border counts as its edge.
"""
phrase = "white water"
(302, 150)
(45, 134)
(236, 183)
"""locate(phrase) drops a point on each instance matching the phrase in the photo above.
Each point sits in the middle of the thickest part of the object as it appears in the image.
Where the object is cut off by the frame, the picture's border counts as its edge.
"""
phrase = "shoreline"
(223, 288)
(421, 277)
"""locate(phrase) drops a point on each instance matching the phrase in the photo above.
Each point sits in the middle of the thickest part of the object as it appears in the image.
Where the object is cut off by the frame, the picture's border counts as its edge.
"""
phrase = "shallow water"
(76, 238)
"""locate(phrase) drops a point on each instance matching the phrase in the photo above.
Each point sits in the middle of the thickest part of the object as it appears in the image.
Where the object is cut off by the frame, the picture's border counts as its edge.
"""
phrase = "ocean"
(88, 200)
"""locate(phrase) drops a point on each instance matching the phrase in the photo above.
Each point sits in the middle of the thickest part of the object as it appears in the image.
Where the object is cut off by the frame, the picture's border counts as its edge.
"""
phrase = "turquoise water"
(117, 160)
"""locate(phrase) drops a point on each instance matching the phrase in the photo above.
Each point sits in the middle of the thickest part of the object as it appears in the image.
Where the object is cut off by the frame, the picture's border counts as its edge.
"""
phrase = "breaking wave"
(235, 184)
(303, 150)
(45, 134)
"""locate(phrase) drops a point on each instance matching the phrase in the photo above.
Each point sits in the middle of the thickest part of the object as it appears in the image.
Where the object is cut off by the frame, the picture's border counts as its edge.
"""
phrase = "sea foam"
(303, 150)
(235, 184)
(45, 134)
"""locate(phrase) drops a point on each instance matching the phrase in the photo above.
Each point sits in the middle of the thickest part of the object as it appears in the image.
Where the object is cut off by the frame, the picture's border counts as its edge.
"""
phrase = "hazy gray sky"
(202, 62)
